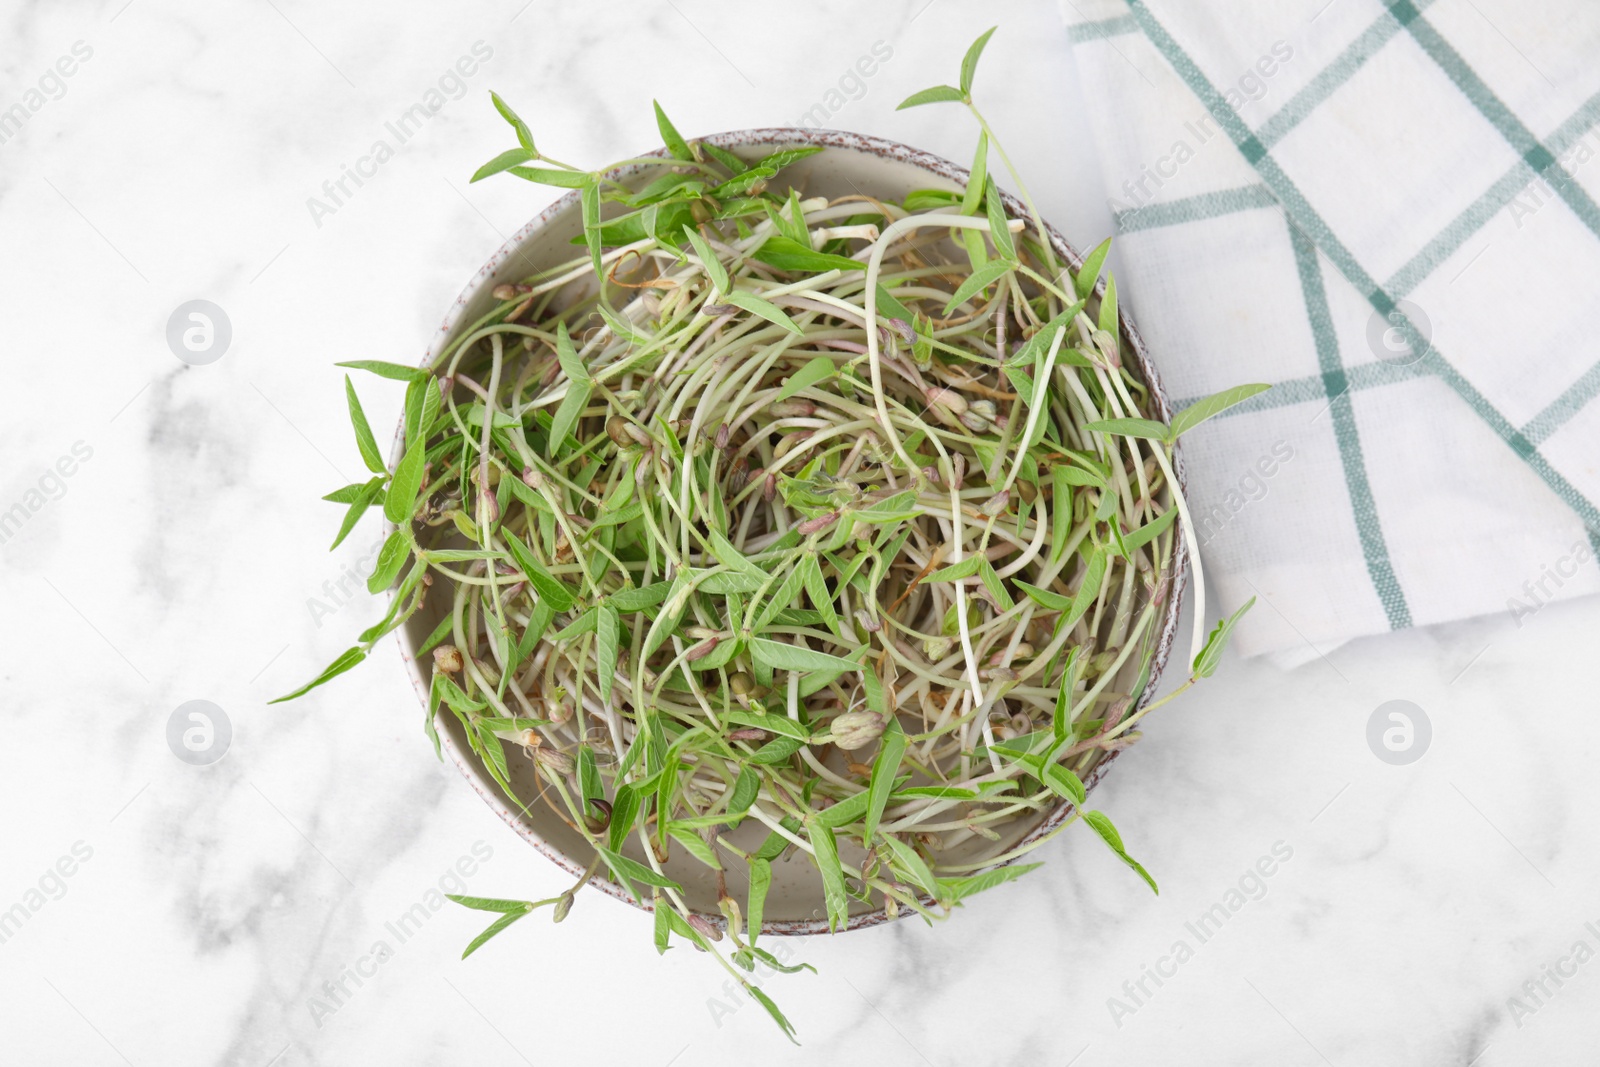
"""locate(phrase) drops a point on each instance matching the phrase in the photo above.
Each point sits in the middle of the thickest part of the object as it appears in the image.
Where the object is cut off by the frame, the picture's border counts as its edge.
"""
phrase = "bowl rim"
(1133, 346)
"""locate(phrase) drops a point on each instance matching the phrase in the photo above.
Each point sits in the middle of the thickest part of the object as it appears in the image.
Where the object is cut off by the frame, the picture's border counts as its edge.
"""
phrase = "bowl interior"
(851, 165)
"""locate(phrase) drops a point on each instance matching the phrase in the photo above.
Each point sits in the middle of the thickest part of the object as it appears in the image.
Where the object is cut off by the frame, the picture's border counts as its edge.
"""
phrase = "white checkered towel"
(1387, 210)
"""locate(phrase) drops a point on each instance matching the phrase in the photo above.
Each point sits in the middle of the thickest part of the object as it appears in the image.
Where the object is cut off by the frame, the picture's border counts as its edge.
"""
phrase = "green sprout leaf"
(787, 254)
(422, 407)
(363, 499)
(589, 786)
(996, 587)
(696, 846)
(745, 790)
(391, 558)
(671, 137)
(1061, 721)
(826, 848)
(1084, 283)
(969, 62)
(491, 904)
(494, 928)
(814, 372)
(347, 659)
(628, 871)
(773, 724)
(914, 867)
(524, 135)
(1149, 531)
(935, 95)
(579, 388)
(896, 508)
(1004, 246)
(1063, 783)
(885, 766)
(1094, 574)
(977, 281)
(556, 593)
(786, 657)
(401, 500)
(763, 309)
(571, 365)
(607, 628)
(395, 371)
(708, 260)
(589, 199)
(504, 161)
(887, 306)
(1043, 597)
(959, 889)
(755, 903)
(1205, 664)
(821, 598)
(567, 415)
(1147, 428)
(561, 179)
(364, 439)
(630, 600)
(772, 1010)
(956, 571)
(624, 810)
(1108, 308)
(844, 812)
(734, 164)
(440, 632)
(776, 751)
(1211, 406)
(1101, 825)
(978, 181)
(349, 494)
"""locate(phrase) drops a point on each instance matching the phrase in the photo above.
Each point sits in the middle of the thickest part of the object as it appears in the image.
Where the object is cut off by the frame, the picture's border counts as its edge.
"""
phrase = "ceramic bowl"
(850, 164)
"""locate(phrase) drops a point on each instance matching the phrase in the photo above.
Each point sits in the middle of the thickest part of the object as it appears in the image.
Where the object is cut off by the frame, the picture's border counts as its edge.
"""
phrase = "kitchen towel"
(1388, 211)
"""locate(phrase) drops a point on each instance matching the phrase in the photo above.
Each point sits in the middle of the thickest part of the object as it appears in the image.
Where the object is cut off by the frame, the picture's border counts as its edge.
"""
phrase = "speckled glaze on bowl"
(852, 163)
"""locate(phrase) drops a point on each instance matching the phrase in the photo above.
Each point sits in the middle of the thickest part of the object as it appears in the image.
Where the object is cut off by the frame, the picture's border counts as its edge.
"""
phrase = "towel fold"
(1389, 212)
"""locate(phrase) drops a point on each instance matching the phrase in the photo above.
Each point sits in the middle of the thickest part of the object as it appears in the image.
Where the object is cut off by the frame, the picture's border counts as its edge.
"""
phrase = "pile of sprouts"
(843, 517)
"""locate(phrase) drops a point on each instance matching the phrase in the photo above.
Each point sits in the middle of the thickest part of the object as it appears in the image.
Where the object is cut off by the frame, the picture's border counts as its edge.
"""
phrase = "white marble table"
(156, 912)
